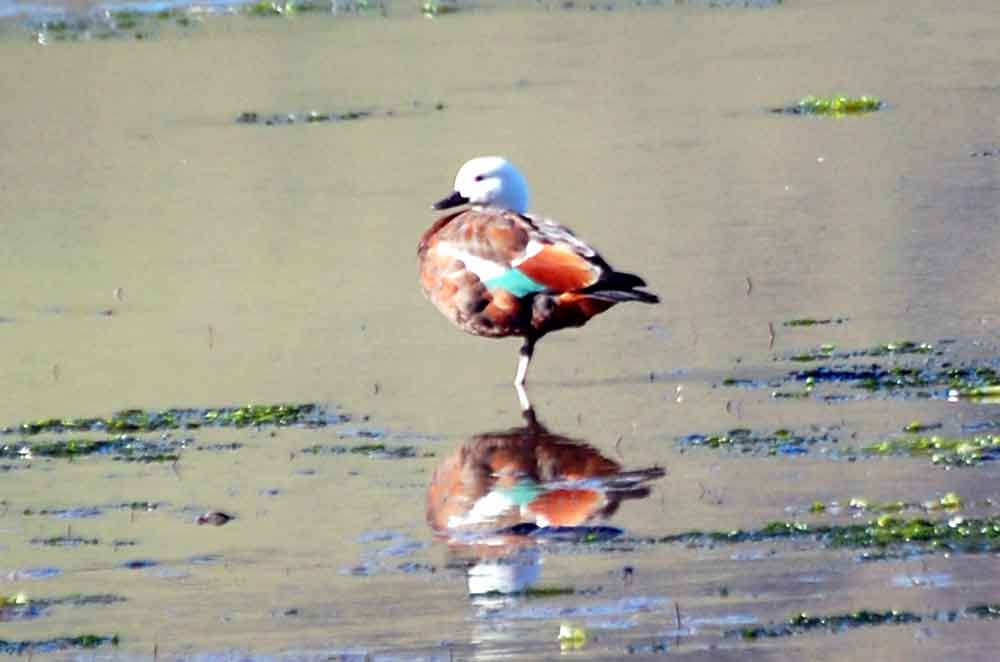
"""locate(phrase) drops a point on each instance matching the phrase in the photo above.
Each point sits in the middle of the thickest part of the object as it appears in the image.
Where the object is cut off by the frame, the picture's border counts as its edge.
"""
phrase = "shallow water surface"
(156, 252)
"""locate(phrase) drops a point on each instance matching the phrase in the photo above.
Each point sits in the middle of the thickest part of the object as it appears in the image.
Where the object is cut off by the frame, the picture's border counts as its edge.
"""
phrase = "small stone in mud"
(231, 446)
(139, 564)
(413, 567)
(352, 115)
(215, 518)
(359, 571)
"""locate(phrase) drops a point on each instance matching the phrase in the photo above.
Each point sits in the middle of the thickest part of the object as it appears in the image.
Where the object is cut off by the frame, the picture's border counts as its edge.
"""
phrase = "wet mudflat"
(792, 457)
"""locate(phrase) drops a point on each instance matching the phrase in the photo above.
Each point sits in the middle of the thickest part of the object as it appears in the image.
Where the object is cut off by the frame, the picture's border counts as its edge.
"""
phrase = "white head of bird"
(489, 181)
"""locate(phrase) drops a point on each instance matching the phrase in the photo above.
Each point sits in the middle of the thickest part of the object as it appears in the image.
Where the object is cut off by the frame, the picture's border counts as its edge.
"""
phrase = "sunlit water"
(156, 253)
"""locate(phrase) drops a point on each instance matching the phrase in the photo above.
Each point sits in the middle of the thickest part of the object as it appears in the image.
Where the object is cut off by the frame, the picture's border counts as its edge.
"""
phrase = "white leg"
(522, 373)
(522, 395)
(527, 349)
(522, 369)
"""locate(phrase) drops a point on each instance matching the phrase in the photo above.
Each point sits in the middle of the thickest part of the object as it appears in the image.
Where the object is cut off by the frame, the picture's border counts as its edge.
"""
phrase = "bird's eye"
(480, 178)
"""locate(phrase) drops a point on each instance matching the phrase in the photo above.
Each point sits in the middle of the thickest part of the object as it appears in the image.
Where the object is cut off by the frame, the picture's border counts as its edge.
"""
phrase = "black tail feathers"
(619, 286)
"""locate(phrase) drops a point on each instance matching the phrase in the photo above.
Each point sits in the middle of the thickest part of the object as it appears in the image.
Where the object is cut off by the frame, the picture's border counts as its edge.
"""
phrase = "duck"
(527, 475)
(495, 270)
(500, 496)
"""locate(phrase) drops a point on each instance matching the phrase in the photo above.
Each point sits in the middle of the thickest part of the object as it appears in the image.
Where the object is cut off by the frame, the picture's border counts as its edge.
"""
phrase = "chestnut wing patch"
(560, 269)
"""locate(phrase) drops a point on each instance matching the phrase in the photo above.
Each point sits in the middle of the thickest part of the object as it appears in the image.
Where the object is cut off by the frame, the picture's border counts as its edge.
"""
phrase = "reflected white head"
(489, 181)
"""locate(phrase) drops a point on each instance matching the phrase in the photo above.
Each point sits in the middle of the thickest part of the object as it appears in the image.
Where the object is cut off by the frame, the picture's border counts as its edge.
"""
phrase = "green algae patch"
(956, 533)
(809, 321)
(264, 9)
(953, 534)
(822, 353)
(23, 607)
(832, 106)
(376, 451)
(899, 347)
(918, 426)
(308, 117)
(260, 415)
(65, 541)
(989, 391)
(898, 369)
(984, 611)
(860, 503)
(889, 349)
(64, 448)
(124, 448)
(436, 8)
(127, 19)
(744, 440)
(947, 451)
(548, 591)
(271, 9)
(941, 450)
(105, 25)
(533, 592)
(85, 641)
(950, 501)
(803, 622)
(82, 600)
(415, 107)
(139, 420)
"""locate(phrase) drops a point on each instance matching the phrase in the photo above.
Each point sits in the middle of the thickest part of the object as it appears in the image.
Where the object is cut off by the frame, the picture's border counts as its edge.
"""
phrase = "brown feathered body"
(498, 273)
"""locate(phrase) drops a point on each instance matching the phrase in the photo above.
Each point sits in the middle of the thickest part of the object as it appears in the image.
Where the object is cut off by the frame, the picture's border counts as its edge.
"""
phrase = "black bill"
(453, 200)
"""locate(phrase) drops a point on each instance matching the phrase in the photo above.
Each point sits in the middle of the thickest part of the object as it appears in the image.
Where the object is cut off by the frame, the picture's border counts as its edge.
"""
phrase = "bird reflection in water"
(501, 496)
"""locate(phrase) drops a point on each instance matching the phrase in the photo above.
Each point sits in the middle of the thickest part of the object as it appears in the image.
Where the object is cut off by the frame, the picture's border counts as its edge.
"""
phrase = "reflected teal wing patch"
(515, 282)
(521, 494)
